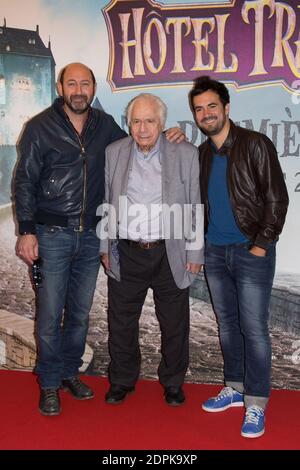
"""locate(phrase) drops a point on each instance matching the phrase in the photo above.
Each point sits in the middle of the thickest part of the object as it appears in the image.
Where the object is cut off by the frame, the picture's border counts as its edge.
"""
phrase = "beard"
(214, 128)
(79, 104)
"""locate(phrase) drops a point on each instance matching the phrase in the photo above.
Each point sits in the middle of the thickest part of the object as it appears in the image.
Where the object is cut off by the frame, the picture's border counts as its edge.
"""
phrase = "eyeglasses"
(37, 276)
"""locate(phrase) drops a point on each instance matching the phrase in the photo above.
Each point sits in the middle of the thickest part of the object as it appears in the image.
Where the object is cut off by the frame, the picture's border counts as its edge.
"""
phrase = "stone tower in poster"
(27, 85)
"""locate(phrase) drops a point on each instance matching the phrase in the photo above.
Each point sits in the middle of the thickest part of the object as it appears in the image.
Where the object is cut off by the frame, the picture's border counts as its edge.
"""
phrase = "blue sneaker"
(227, 398)
(254, 422)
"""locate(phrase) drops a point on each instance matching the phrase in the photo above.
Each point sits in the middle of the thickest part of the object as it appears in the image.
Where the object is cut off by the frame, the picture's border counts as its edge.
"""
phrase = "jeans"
(240, 284)
(70, 266)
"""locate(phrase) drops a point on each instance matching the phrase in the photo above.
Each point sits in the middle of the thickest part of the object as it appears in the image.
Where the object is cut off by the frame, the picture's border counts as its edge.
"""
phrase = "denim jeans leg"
(82, 282)
(254, 278)
(225, 303)
(56, 249)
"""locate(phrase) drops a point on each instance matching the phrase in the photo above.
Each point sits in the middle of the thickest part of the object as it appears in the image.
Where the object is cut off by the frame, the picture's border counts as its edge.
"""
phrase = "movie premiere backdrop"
(133, 46)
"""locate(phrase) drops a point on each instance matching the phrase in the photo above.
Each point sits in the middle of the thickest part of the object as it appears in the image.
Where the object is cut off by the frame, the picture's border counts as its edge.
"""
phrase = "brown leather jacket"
(257, 190)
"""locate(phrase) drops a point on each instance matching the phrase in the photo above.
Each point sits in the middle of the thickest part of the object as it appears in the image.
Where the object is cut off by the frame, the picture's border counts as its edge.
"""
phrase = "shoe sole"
(53, 413)
(174, 403)
(216, 410)
(252, 435)
(118, 402)
(67, 389)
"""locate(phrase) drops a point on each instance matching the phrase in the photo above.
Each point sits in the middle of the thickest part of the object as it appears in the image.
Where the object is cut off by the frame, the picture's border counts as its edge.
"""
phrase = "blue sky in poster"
(78, 33)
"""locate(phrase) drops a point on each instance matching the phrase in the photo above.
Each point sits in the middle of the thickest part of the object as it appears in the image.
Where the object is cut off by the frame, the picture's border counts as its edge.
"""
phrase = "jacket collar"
(229, 141)
(92, 119)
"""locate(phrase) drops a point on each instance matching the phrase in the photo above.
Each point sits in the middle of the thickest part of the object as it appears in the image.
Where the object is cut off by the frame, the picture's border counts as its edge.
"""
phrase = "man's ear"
(59, 88)
(227, 109)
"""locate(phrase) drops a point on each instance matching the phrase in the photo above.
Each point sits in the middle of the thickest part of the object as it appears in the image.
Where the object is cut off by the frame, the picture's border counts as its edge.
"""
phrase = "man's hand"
(105, 261)
(257, 251)
(175, 134)
(194, 268)
(28, 248)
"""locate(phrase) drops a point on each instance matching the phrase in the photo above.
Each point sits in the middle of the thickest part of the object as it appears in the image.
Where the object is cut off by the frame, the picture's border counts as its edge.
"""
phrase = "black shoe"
(174, 396)
(49, 402)
(78, 389)
(117, 393)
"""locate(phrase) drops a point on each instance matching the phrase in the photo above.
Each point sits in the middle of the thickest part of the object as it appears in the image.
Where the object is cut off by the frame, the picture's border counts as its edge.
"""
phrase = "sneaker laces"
(225, 392)
(253, 413)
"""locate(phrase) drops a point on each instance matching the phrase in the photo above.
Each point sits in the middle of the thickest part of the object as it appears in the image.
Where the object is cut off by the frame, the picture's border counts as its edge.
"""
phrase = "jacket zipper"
(83, 155)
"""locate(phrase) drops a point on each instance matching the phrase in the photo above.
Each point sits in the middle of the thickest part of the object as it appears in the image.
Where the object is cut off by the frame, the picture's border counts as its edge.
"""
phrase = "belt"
(75, 222)
(72, 222)
(144, 245)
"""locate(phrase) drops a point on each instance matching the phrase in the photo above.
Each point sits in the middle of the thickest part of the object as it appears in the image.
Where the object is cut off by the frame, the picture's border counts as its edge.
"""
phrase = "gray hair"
(162, 108)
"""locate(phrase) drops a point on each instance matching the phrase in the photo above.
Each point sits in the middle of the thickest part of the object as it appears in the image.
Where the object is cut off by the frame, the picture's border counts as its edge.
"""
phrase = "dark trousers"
(141, 269)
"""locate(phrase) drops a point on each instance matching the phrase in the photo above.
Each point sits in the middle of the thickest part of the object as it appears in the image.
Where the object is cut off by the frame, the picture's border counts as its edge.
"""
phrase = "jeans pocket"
(270, 254)
(252, 255)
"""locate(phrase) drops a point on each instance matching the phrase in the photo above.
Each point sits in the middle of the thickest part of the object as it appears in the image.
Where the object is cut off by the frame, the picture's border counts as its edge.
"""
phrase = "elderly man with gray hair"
(151, 175)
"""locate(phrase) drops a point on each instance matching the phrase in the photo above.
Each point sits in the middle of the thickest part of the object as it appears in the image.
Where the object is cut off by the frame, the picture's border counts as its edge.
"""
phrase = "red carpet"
(143, 421)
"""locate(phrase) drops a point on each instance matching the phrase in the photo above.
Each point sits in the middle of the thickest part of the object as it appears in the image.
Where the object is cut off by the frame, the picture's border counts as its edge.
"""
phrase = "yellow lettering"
(221, 67)
(177, 23)
(162, 42)
(202, 43)
(282, 40)
(136, 43)
(258, 6)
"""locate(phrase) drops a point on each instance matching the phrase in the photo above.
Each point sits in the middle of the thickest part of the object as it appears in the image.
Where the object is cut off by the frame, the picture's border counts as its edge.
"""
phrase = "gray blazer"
(180, 185)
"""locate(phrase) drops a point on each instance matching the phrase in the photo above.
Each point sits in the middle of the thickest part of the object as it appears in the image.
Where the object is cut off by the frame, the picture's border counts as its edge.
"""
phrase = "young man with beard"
(245, 199)
(59, 185)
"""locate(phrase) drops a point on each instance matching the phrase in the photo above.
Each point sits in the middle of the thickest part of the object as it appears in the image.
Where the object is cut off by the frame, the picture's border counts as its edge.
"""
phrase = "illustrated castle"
(27, 85)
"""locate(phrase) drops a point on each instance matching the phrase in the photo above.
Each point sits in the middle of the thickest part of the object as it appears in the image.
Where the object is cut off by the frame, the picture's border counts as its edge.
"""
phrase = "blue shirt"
(222, 227)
